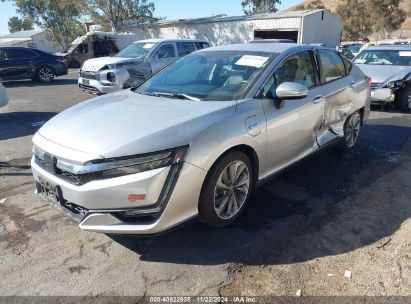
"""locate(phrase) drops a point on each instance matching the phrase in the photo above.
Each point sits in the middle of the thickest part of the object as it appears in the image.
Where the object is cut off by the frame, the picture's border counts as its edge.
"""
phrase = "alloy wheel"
(352, 129)
(231, 190)
(46, 73)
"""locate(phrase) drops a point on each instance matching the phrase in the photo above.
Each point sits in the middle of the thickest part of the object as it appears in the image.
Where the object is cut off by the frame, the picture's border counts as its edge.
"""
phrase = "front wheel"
(45, 74)
(403, 98)
(226, 190)
(351, 131)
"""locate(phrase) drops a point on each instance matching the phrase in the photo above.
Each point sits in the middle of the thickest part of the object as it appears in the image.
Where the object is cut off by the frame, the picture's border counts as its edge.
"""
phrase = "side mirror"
(291, 90)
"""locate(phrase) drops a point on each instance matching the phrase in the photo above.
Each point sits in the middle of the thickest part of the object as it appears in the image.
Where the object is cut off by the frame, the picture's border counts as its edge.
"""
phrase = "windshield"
(136, 50)
(384, 57)
(71, 48)
(210, 75)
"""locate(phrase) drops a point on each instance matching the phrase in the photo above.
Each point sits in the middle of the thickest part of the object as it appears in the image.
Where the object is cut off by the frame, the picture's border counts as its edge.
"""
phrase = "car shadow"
(300, 200)
(19, 124)
(30, 83)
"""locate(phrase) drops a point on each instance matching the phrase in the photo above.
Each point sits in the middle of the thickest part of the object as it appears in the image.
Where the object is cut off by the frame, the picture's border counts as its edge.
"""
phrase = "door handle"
(318, 99)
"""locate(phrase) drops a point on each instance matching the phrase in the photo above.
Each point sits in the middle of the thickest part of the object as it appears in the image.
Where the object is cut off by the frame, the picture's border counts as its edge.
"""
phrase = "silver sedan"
(196, 138)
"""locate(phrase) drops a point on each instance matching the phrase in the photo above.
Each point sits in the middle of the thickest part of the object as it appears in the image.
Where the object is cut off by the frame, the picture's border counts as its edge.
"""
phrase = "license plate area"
(86, 81)
(53, 195)
(51, 192)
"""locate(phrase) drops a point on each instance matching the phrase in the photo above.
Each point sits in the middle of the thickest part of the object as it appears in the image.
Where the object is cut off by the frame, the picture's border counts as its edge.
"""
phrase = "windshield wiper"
(176, 95)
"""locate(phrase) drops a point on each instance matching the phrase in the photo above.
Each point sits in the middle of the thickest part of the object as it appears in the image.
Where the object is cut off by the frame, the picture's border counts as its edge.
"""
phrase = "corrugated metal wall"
(242, 31)
(218, 33)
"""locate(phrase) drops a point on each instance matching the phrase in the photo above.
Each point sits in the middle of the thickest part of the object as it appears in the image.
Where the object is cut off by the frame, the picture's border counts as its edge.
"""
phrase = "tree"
(114, 14)
(356, 19)
(16, 24)
(252, 7)
(316, 4)
(386, 15)
(59, 17)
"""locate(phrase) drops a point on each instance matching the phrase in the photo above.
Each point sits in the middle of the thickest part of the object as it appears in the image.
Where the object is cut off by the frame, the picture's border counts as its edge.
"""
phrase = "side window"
(332, 66)
(21, 54)
(82, 48)
(185, 48)
(297, 68)
(204, 45)
(3, 55)
(165, 51)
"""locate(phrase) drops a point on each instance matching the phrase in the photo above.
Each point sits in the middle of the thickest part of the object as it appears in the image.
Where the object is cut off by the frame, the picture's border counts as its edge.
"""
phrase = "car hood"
(95, 64)
(384, 73)
(127, 123)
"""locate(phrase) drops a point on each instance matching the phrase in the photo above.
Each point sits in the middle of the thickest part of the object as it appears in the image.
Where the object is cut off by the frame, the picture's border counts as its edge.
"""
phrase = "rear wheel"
(351, 131)
(403, 98)
(45, 73)
(226, 190)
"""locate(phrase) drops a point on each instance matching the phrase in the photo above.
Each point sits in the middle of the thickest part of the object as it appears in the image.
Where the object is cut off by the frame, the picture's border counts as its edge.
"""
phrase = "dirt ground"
(315, 261)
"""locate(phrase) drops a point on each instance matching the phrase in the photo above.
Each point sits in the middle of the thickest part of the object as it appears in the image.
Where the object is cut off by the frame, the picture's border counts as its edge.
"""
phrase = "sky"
(171, 9)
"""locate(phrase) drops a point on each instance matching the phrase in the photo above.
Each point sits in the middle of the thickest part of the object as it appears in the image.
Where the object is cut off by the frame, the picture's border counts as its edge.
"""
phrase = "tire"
(45, 73)
(403, 98)
(221, 201)
(352, 127)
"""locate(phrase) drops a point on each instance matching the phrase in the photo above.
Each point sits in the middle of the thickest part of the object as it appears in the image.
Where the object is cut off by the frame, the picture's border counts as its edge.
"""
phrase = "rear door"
(163, 56)
(337, 87)
(185, 48)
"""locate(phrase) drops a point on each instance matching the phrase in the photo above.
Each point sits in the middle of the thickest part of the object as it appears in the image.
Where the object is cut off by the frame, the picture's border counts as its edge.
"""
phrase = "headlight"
(109, 168)
(394, 84)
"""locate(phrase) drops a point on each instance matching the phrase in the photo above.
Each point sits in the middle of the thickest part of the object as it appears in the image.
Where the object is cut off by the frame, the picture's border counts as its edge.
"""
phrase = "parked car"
(24, 63)
(4, 99)
(197, 137)
(389, 67)
(133, 65)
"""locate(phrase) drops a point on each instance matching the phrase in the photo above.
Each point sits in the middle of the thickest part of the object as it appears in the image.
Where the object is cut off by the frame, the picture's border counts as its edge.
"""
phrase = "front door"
(292, 124)
(162, 57)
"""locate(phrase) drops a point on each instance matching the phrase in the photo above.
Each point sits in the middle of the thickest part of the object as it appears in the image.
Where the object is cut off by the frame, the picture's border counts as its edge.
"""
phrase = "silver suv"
(133, 65)
(197, 137)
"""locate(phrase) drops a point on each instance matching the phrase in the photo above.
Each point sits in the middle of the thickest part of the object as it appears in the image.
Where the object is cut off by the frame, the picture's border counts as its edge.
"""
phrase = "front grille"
(375, 85)
(88, 75)
(89, 89)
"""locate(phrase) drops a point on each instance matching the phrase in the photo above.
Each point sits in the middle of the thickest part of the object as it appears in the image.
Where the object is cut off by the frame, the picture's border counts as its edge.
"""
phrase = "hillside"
(332, 5)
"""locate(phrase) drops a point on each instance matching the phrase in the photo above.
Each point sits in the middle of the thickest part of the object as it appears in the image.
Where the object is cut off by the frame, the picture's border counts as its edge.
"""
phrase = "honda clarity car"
(197, 137)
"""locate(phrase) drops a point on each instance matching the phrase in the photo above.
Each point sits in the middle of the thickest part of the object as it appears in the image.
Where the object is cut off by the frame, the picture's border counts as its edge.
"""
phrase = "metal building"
(309, 26)
(37, 39)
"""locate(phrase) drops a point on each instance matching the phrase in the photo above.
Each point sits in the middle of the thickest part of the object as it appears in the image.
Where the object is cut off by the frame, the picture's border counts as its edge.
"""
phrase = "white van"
(134, 64)
(94, 45)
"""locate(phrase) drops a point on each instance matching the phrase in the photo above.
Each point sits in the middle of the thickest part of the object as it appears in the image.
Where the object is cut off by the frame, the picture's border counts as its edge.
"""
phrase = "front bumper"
(94, 86)
(172, 195)
(375, 101)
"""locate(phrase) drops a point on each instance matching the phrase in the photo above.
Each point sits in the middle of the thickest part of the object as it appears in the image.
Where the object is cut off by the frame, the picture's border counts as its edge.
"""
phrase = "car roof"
(262, 47)
(391, 47)
(170, 40)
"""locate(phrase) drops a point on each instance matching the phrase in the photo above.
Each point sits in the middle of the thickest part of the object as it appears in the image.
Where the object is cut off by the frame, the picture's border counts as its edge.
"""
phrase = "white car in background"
(4, 99)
